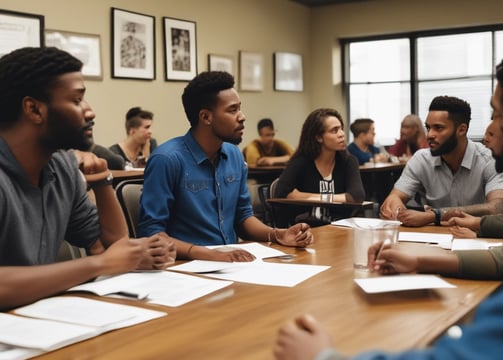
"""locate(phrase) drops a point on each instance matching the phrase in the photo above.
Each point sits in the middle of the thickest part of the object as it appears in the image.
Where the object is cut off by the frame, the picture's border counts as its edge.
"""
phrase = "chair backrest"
(272, 188)
(273, 211)
(128, 193)
(70, 252)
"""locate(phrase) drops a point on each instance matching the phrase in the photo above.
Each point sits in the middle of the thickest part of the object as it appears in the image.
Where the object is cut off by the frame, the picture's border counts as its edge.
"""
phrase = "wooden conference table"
(241, 321)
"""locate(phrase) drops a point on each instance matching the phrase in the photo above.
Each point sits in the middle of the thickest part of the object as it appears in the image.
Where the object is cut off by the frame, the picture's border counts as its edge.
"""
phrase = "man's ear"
(33, 109)
(462, 129)
(205, 116)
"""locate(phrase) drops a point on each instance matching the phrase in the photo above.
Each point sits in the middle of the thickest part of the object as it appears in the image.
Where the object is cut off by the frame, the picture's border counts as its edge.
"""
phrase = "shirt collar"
(197, 151)
(468, 156)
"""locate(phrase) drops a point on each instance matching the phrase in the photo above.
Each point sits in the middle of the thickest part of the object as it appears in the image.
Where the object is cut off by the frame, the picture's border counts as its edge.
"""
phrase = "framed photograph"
(133, 45)
(180, 49)
(288, 72)
(85, 47)
(18, 30)
(221, 63)
(251, 71)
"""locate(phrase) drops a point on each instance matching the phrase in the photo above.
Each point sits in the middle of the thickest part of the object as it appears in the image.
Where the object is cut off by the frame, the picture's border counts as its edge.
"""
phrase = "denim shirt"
(187, 197)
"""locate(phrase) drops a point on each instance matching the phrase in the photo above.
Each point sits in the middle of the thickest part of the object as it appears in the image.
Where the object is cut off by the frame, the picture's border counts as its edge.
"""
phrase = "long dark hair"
(314, 126)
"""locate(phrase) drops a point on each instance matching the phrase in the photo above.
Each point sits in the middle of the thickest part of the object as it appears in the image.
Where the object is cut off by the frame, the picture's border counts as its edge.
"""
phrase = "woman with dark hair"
(321, 164)
(138, 145)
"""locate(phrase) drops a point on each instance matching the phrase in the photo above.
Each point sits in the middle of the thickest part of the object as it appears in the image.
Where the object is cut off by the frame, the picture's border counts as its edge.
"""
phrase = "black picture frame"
(133, 45)
(180, 49)
(20, 30)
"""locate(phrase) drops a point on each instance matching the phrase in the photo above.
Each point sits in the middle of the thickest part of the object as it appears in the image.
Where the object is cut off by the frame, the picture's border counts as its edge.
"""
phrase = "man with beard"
(195, 186)
(306, 338)
(43, 197)
(455, 175)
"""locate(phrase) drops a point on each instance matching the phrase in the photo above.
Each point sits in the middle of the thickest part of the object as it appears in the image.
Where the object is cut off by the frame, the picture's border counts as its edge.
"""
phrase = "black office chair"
(128, 193)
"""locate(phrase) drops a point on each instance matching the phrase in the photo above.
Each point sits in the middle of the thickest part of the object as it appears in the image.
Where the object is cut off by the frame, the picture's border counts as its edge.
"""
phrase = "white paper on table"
(443, 240)
(260, 251)
(55, 322)
(41, 335)
(8, 352)
(88, 312)
(163, 287)
(401, 282)
(207, 266)
(264, 273)
(366, 223)
(473, 244)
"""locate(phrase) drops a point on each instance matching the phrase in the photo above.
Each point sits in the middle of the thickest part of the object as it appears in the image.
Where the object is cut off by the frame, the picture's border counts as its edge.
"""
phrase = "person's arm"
(158, 251)
(24, 284)
(252, 153)
(112, 221)
(298, 235)
(271, 160)
(394, 203)
(493, 205)
(491, 225)
(465, 220)
(394, 208)
(393, 260)
(304, 338)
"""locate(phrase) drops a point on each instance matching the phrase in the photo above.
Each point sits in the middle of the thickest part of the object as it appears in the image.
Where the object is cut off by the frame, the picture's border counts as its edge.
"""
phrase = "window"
(388, 78)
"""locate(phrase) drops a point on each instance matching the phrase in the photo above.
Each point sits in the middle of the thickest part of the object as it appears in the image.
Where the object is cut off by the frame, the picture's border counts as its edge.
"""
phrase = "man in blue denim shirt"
(195, 187)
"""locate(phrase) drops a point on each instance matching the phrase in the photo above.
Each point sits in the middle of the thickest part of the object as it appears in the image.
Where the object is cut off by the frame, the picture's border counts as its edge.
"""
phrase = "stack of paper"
(156, 287)
(55, 322)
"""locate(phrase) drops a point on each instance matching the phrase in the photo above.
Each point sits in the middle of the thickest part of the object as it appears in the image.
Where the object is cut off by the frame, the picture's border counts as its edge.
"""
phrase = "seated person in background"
(412, 138)
(43, 195)
(467, 226)
(320, 164)
(266, 150)
(139, 144)
(305, 338)
(455, 174)
(363, 143)
(195, 186)
(114, 161)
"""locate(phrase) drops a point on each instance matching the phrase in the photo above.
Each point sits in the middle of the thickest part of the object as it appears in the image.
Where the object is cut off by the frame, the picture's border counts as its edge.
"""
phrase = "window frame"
(414, 82)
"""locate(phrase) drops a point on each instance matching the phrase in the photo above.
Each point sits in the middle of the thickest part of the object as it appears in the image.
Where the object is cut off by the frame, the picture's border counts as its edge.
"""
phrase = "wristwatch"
(438, 216)
(106, 181)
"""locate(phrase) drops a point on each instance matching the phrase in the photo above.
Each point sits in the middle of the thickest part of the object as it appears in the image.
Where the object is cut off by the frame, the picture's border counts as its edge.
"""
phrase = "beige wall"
(223, 27)
(263, 26)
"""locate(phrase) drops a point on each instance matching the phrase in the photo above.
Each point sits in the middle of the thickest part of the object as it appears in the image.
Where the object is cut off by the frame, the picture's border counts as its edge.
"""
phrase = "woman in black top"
(321, 163)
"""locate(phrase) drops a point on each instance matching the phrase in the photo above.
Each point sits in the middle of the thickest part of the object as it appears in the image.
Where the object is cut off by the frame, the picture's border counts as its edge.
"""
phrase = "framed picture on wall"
(288, 72)
(18, 30)
(180, 49)
(251, 71)
(221, 63)
(133, 45)
(85, 47)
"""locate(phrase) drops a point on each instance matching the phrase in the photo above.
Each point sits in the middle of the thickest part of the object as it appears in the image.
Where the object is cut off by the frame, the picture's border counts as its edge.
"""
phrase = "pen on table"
(139, 296)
